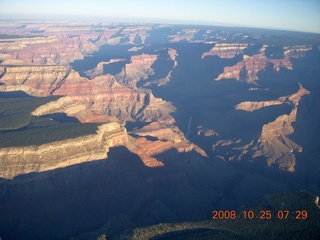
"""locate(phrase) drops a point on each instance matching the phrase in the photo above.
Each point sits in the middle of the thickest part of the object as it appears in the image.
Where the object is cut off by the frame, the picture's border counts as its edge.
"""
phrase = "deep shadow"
(61, 117)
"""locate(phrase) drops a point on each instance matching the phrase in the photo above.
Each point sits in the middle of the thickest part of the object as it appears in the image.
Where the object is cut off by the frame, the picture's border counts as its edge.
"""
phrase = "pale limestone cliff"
(226, 50)
(20, 160)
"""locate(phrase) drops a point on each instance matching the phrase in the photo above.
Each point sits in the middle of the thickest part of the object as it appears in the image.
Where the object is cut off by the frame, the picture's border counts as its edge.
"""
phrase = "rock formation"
(157, 138)
(252, 106)
(226, 50)
(252, 65)
(274, 143)
(185, 34)
(138, 69)
(103, 95)
(98, 70)
(19, 160)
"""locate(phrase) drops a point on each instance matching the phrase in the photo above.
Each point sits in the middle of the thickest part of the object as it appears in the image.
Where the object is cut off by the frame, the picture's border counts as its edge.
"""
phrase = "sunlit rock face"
(247, 69)
(15, 161)
(153, 138)
(138, 69)
(226, 50)
(103, 95)
(252, 66)
(274, 142)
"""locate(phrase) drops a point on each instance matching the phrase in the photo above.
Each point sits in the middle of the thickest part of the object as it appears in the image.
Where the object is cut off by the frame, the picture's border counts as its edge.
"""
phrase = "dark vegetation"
(252, 229)
(19, 128)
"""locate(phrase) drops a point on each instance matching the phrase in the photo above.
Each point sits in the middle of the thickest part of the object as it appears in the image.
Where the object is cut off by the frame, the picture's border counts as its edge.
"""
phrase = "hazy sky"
(301, 15)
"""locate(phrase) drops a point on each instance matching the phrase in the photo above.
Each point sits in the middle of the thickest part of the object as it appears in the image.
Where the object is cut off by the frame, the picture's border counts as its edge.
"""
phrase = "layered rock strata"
(138, 69)
(226, 50)
(20, 160)
(103, 95)
(251, 66)
(247, 69)
(274, 143)
(158, 139)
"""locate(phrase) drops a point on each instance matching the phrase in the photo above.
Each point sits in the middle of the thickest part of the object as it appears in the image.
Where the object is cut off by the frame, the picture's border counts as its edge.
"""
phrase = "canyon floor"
(115, 130)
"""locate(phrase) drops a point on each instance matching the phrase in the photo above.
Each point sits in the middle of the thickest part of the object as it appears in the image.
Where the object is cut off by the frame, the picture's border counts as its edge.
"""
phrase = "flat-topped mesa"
(15, 161)
(226, 50)
(138, 69)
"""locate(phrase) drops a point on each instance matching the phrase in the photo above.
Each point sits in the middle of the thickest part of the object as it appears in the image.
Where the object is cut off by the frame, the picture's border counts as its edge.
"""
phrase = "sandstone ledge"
(20, 160)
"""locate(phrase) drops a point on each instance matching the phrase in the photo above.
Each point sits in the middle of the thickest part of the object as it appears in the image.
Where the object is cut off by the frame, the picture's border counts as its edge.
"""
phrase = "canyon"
(149, 123)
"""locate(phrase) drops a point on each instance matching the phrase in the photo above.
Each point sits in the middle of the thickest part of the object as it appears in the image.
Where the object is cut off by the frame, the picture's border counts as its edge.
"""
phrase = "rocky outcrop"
(297, 51)
(226, 50)
(173, 55)
(252, 106)
(185, 34)
(247, 69)
(19, 160)
(252, 65)
(138, 69)
(162, 132)
(98, 70)
(274, 143)
(206, 132)
(158, 139)
(294, 99)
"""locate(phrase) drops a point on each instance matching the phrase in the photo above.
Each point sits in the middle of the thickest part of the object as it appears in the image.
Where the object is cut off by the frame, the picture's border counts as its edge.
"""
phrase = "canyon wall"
(15, 161)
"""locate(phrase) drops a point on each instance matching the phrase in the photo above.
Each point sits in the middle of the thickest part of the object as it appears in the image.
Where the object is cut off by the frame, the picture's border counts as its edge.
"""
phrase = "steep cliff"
(247, 69)
(274, 143)
(158, 139)
(19, 160)
(226, 50)
(98, 70)
(103, 95)
(138, 69)
(251, 66)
